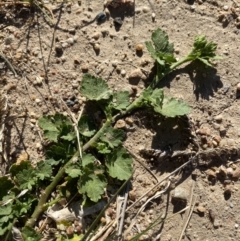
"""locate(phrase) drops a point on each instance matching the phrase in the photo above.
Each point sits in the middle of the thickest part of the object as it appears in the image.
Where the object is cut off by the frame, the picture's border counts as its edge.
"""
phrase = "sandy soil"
(50, 62)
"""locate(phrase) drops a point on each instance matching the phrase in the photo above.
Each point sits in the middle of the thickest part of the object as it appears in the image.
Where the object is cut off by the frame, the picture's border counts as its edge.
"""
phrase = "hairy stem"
(134, 105)
(49, 189)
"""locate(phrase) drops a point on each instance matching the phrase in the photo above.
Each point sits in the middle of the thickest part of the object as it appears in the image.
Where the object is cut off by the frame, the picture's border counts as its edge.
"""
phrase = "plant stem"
(134, 105)
(48, 190)
(97, 135)
(180, 62)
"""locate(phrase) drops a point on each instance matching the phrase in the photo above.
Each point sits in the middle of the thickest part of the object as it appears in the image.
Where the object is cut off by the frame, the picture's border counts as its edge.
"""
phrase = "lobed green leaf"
(119, 164)
(121, 100)
(94, 88)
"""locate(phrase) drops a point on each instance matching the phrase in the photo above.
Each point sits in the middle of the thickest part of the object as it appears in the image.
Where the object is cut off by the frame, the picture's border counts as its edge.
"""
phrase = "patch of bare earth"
(50, 56)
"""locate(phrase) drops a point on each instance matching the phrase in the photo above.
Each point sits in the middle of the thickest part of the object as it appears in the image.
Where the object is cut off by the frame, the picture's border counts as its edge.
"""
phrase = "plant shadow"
(205, 79)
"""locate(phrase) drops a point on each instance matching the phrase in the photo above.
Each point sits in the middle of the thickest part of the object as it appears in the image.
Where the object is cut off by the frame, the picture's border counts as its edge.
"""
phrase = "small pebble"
(236, 225)
(153, 16)
(201, 209)
(136, 74)
(139, 47)
(225, 8)
(70, 41)
(69, 103)
(236, 174)
(120, 124)
(204, 131)
(217, 139)
(96, 47)
(216, 223)
(96, 36)
(38, 101)
(218, 118)
(222, 130)
(180, 194)
(64, 44)
(123, 72)
(238, 87)
(145, 9)
(59, 49)
(231, 205)
(72, 31)
(84, 67)
(118, 21)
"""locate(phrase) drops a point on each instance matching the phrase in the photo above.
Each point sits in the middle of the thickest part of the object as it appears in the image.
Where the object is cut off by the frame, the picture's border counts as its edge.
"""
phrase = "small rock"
(218, 118)
(123, 72)
(222, 130)
(120, 124)
(236, 174)
(59, 49)
(64, 45)
(204, 131)
(118, 21)
(228, 189)
(139, 47)
(201, 209)
(96, 36)
(96, 47)
(236, 225)
(231, 205)
(69, 103)
(136, 74)
(153, 16)
(76, 107)
(180, 194)
(72, 31)
(216, 223)
(222, 171)
(193, 7)
(38, 146)
(217, 139)
(38, 101)
(33, 121)
(145, 9)
(215, 144)
(211, 173)
(70, 41)
(129, 120)
(238, 87)
(85, 68)
(229, 171)
(225, 8)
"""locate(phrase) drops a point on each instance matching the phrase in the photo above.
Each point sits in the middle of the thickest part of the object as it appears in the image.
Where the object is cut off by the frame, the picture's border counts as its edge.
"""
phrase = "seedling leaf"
(92, 182)
(86, 127)
(26, 179)
(50, 130)
(203, 50)
(73, 172)
(113, 137)
(121, 100)
(29, 234)
(95, 88)
(119, 164)
(43, 170)
(87, 159)
(172, 108)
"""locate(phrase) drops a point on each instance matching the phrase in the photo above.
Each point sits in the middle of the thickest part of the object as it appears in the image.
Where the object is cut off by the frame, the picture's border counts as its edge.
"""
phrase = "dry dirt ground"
(50, 61)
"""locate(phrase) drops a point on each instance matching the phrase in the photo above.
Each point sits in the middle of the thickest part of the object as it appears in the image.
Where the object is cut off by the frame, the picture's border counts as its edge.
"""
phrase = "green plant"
(101, 157)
